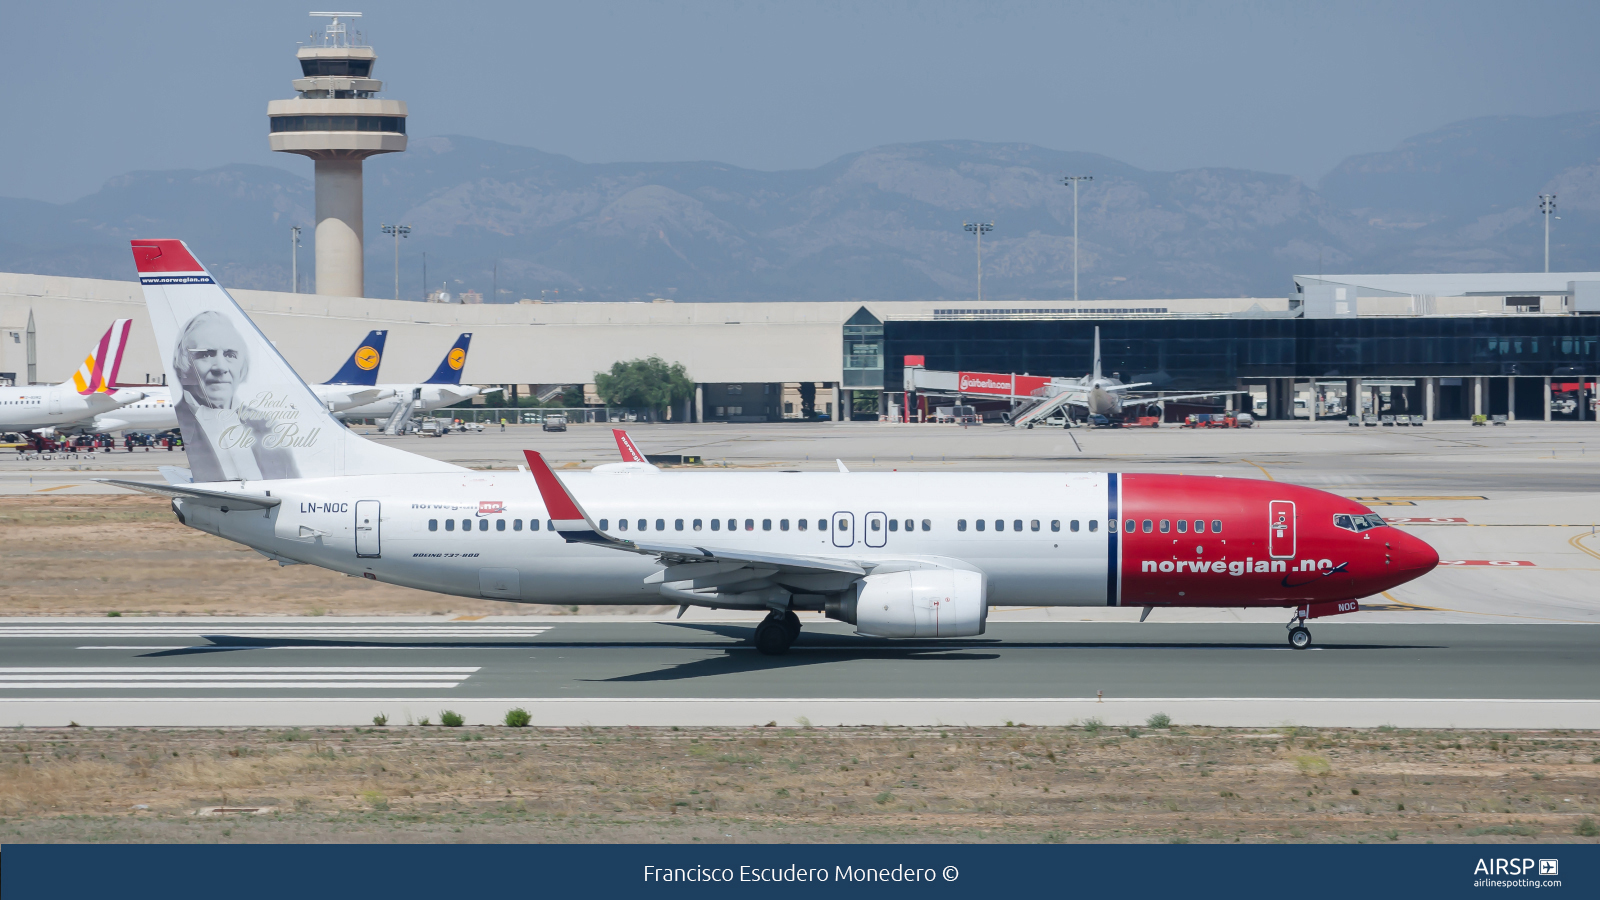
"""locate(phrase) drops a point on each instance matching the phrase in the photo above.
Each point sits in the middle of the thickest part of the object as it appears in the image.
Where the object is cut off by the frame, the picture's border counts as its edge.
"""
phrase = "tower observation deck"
(338, 121)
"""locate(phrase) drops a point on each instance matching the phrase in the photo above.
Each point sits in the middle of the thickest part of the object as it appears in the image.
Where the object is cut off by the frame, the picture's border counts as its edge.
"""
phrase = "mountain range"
(886, 223)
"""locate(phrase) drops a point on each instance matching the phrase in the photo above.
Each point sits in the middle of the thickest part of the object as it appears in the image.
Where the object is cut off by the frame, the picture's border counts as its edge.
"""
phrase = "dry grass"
(771, 784)
(93, 554)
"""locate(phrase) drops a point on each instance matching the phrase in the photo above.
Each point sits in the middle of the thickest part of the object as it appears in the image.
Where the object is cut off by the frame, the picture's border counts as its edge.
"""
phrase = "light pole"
(1547, 205)
(294, 259)
(980, 229)
(1073, 180)
(399, 231)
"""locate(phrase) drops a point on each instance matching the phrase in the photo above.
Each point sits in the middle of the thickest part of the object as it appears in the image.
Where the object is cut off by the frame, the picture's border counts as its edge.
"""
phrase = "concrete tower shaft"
(337, 121)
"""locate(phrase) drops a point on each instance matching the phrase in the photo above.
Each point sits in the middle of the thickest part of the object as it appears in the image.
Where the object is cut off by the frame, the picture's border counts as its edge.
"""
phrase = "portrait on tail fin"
(226, 438)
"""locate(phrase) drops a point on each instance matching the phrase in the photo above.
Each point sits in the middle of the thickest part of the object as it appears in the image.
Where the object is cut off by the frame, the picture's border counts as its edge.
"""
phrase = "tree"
(648, 383)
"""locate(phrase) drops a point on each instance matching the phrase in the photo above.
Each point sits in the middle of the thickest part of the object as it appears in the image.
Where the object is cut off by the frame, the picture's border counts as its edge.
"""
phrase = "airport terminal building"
(1442, 346)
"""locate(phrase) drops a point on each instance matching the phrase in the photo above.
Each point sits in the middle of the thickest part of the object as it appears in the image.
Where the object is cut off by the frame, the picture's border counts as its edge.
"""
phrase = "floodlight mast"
(294, 259)
(1547, 206)
(980, 229)
(399, 231)
(1073, 180)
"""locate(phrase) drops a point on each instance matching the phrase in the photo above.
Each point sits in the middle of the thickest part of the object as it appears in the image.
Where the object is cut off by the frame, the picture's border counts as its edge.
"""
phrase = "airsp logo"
(367, 358)
(458, 358)
(1549, 867)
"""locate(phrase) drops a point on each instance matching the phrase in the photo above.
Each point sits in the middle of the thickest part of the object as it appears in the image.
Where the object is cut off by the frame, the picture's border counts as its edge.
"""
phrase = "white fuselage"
(316, 524)
(431, 397)
(54, 406)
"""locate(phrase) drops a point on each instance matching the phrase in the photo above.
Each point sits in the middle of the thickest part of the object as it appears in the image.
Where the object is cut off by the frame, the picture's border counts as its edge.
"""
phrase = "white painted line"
(154, 647)
(230, 670)
(9, 680)
(217, 685)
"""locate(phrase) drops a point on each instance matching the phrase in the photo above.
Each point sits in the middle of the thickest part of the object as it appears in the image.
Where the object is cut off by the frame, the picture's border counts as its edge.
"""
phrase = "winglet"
(570, 521)
(626, 447)
(841, 466)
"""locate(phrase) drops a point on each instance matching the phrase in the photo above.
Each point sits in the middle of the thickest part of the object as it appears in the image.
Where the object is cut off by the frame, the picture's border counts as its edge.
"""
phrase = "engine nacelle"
(915, 604)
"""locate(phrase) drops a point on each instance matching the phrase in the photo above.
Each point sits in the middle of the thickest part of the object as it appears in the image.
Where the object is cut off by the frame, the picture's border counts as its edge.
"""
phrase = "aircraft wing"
(220, 499)
(684, 562)
(1119, 388)
(1171, 397)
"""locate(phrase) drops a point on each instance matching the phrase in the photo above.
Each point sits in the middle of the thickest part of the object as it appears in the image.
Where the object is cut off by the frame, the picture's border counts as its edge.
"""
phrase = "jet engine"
(914, 604)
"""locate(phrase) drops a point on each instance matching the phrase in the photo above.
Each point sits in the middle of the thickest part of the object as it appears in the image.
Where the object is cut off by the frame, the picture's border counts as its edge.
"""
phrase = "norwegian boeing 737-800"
(898, 555)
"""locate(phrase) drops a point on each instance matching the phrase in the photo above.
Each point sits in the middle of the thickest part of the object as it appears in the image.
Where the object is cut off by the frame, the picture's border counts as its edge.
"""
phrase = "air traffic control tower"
(337, 120)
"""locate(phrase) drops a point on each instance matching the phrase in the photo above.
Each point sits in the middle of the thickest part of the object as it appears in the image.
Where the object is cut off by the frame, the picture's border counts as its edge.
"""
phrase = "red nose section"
(1413, 557)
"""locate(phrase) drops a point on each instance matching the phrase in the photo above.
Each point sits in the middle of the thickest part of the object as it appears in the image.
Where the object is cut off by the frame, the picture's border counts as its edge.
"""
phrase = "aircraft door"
(1280, 525)
(367, 533)
(876, 531)
(844, 529)
(54, 402)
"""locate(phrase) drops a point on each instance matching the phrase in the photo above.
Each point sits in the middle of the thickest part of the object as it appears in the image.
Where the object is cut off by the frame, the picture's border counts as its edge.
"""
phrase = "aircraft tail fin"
(362, 366)
(1097, 353)
(626, 447)
(245, 414)
(98, 374)
(449, 371)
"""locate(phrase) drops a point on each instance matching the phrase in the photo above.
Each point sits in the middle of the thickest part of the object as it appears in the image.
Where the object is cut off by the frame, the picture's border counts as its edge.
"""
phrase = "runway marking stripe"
(252, 685)
(195, 670)
(169, 676)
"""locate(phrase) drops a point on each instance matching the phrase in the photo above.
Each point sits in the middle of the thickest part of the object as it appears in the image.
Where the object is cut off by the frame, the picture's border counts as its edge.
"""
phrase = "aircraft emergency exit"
(897, 555)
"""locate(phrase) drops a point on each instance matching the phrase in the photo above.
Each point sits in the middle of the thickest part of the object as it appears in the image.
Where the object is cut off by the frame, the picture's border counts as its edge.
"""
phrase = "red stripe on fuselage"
(1235, 567)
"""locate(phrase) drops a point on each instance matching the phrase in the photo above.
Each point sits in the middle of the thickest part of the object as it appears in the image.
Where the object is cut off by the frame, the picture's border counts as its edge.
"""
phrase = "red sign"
(491, 507)
(1502, 563)
(1001, 385)
(915, 360)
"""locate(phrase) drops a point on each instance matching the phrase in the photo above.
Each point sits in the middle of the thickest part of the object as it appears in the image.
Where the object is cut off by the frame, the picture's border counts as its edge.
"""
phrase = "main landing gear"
(1299, 634)
(776, 632)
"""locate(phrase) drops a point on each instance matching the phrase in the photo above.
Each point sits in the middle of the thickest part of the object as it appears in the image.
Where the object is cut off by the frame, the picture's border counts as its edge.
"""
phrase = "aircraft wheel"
(1299, 637)
(772, 638)
(791, 623)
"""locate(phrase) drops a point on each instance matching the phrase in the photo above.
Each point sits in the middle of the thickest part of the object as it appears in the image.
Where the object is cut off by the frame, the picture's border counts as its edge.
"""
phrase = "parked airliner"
(444, 388)
(88, 392)
(897, 555)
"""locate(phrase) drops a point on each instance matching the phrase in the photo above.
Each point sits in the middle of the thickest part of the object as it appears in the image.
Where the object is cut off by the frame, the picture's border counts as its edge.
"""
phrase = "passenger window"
(733, 524)
(1074, 526)
(1149, 526)
(980, 524)
(927, 524)
(1199, 526)
(1094, 525)
(466, 524)
(999, 524)
(1055, 524)
(961, 524)
(661, 525)
(844, 525)
(783, 524)
(622, 524)
(644, 525)
(716, 524)
(550, 524)
(1166, 526)
(1216, 526)
(822, 524)
(1111, 526)
(605, 524)
(449, 524)
(696, 524)
(874, 525)
(499, 524)
(1131, 526)
(911, 524)
(1016, 525)
(749, 524)
(677, 524)
(1183, 526)
(802, 523)
(766, 524)
(433, 524)
(533, 524)
(894, 524)
(483, 524)
(516, 524)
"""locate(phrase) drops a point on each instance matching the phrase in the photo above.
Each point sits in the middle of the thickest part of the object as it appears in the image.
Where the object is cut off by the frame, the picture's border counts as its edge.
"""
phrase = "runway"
(172, 672)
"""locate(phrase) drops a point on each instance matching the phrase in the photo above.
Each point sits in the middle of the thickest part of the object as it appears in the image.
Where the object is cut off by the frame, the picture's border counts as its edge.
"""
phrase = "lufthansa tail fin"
(449, 371)
(362, 366)
(245, 414)
(98, 374)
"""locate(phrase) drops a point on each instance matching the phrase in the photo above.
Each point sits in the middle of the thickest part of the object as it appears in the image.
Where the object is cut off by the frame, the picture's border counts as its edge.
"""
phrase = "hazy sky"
(93, 90)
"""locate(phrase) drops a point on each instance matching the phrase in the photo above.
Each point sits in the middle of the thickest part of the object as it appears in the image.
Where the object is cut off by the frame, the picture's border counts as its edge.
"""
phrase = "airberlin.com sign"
(1003, 385)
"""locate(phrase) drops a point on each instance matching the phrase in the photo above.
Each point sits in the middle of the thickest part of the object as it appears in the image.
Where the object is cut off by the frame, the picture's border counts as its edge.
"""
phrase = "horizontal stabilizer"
(220, 499)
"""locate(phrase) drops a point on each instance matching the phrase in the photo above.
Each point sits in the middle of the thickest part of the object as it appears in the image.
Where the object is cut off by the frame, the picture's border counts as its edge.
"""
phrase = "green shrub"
(1587, 828)
(883, 798)
(518, 718)
(381, 719)
(451, 719)
(1159, 720)
(1093, 726)
(424, 721)
(113, 615)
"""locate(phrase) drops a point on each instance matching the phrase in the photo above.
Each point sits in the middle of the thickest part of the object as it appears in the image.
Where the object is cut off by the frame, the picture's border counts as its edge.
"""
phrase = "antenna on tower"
(334, 33)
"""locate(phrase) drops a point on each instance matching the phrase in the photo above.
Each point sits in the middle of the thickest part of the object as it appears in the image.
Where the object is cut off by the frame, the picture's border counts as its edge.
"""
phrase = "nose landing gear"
(776, 632)
(1299, 634)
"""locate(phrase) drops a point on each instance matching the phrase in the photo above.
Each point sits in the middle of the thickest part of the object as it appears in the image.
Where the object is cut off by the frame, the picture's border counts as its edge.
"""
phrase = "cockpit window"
(1357, 523)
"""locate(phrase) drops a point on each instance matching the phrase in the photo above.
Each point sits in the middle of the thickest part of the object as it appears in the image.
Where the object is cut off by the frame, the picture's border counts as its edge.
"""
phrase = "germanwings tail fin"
(244, 413)
(625, 446)
(98, 374)
(362, 366)
(1097, 353)
(449, 371)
